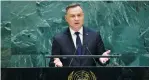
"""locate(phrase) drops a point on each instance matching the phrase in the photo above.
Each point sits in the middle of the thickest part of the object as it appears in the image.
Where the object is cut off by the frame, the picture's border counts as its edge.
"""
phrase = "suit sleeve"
(100, 49)
(55, 47)
(99, 45)
(55, 51)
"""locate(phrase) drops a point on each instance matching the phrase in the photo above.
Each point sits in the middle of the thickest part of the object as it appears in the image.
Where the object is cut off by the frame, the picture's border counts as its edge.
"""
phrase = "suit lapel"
(85, 36)
(85, 40)
(69, 41)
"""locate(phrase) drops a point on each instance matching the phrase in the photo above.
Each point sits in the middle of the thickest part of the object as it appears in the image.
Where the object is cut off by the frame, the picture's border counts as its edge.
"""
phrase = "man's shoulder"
(60, 34)
(90, 30)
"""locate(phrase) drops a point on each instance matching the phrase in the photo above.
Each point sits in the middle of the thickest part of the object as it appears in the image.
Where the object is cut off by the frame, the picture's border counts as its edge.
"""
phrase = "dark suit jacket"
(63, 45)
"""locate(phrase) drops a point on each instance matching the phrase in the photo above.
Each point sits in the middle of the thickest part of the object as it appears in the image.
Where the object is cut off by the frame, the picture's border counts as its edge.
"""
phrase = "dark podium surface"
(76, 73)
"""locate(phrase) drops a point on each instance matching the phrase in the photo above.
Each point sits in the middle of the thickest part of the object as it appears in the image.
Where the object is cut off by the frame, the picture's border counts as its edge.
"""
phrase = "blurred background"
(27, 28)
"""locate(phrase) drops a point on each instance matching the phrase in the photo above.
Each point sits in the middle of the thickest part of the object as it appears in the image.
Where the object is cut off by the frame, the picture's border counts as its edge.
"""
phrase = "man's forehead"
(75, 10)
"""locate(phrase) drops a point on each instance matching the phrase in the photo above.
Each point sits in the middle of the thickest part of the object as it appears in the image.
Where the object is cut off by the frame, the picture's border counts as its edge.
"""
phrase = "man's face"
(75, 17)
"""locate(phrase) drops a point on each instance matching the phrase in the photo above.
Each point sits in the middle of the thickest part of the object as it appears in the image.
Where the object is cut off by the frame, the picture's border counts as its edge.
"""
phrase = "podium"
(76, 73)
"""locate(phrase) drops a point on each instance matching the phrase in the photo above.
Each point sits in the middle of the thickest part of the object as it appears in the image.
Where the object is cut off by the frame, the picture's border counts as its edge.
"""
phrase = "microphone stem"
(91, 54)
(72, 58)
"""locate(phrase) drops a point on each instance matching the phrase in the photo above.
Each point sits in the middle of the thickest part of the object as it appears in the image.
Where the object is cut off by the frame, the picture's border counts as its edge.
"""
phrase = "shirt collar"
(73, 32)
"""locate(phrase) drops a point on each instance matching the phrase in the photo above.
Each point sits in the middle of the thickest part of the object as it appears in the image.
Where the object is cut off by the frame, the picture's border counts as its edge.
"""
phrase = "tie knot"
(77, 33)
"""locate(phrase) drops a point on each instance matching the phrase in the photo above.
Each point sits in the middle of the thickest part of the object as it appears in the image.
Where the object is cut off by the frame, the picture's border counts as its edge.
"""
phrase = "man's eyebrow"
(71, 14)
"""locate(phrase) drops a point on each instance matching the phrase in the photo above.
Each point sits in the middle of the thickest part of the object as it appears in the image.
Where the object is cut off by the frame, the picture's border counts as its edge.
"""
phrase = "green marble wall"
(27, 28)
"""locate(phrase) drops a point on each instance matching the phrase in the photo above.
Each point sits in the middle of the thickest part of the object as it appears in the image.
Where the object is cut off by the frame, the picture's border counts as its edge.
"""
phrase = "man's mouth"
(77, 23)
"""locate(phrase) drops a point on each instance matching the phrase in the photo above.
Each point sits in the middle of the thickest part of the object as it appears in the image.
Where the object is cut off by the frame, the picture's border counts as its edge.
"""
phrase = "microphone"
(90, 53)
(89, 50)
(73, 54)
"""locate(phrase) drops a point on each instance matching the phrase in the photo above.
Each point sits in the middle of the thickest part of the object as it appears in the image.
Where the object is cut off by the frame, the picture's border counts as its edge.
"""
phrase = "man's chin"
(77, 26)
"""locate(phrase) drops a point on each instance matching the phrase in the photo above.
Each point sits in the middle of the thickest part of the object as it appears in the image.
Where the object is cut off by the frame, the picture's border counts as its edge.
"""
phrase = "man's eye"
(72, 16)
(79, 15)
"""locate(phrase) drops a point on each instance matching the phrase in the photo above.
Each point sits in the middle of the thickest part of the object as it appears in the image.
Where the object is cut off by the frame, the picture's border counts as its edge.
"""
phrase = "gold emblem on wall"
(82, 75)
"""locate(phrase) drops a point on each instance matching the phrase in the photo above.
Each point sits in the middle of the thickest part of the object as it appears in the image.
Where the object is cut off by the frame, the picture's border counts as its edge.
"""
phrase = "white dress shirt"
(74, 36)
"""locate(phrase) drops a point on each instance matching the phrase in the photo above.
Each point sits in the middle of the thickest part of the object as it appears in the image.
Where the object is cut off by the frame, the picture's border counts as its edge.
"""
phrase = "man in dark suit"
(78, 40)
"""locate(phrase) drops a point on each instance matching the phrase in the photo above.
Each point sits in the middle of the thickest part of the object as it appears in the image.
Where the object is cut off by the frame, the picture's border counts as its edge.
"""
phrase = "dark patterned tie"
(78, 43)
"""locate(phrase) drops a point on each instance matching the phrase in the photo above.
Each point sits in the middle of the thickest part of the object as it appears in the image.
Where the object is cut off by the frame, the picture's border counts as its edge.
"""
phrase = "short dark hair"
(72, 6)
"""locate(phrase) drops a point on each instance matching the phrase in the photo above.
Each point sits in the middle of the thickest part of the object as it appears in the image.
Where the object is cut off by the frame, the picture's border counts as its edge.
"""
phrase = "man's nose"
(76, 18)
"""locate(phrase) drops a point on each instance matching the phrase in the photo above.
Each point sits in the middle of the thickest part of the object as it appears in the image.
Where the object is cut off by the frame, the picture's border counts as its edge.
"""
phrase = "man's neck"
(73, 31)
(76, 29)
